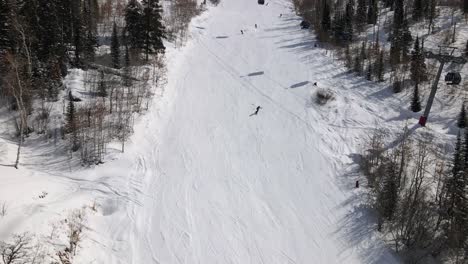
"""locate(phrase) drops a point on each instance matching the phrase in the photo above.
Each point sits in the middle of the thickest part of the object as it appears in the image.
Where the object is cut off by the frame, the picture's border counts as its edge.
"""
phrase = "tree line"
(42, 40)
(341, 23)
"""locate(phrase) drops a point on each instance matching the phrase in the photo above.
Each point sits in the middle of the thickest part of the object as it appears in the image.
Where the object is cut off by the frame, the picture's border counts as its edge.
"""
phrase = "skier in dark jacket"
(256, 111)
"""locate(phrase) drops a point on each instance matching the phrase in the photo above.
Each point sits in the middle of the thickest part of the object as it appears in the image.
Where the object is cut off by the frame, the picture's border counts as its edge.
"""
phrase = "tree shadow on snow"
(300, 84)
(358, 227)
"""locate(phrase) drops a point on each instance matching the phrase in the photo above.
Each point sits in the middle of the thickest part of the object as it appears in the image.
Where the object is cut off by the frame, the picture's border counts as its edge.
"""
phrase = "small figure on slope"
(256, 111)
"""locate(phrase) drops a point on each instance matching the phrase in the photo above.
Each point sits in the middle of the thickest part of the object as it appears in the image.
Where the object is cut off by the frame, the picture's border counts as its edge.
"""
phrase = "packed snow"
(204, 178)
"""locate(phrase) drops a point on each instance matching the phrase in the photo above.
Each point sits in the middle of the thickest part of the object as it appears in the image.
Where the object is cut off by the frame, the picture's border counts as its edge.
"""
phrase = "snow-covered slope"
(210, 184)
(202, 181)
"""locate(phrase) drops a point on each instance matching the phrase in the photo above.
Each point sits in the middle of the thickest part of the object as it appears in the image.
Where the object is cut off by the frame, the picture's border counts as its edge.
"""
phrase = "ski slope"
(202, 181)
(211, 184)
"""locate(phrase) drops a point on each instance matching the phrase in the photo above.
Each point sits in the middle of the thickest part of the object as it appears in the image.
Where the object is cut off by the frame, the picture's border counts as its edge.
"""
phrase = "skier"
(242, 32)
(256, 111)
(281, 15)
(255, 25)
(315, 83)
(357, 184)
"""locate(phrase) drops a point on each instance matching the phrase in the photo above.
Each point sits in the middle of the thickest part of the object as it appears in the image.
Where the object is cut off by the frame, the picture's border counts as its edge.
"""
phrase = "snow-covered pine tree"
(153, 28)
(415, 102)
(115, 47)
(461, 122)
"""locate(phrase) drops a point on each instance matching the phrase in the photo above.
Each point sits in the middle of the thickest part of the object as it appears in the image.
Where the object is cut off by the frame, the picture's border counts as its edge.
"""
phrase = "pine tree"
(326, 20)
(65, 21)
(418, 66)
(102, 87)
(415, 102)
(369, 72)
(115, 47)
(388, 3)
(153, 28)
(372, 12)
(380, 67)
(338, 25)
(417, 10)
(77, 34)
(357, 67)
(361, 14)
(46, 34)
(431, 13)
(363, 56)
(400, 37)
(462, 117)
(71, 125)
(349, 22)
(89, 31)
(387, 194)
(6, 31)
(348, 57)
(457, 201)
(134, 25)
(127, 73)
(466, 49)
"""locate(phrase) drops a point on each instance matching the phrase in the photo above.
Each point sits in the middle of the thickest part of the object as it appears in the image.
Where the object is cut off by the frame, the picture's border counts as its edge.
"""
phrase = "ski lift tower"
(443, 59)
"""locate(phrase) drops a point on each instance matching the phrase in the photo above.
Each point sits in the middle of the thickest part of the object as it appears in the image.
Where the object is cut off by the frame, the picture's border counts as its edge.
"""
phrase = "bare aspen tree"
(18, 84)
(17, 251)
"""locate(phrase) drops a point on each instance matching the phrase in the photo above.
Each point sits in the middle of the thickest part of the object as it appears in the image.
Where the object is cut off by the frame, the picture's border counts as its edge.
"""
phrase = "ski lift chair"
(261, 2)
(453, 78)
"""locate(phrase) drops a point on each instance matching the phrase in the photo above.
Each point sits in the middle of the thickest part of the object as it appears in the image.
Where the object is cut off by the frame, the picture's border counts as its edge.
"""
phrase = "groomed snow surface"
(202, 181)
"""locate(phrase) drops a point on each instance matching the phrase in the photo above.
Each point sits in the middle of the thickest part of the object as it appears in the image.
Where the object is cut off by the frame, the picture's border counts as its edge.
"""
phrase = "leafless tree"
(17, 251)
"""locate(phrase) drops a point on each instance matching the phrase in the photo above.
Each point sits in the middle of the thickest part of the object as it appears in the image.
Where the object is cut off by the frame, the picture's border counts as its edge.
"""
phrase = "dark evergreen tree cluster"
(400, 37)
(144, 27)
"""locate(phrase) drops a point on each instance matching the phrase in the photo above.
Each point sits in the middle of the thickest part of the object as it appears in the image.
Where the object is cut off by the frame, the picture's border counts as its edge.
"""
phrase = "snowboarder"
(315, 83)
(256, 111)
